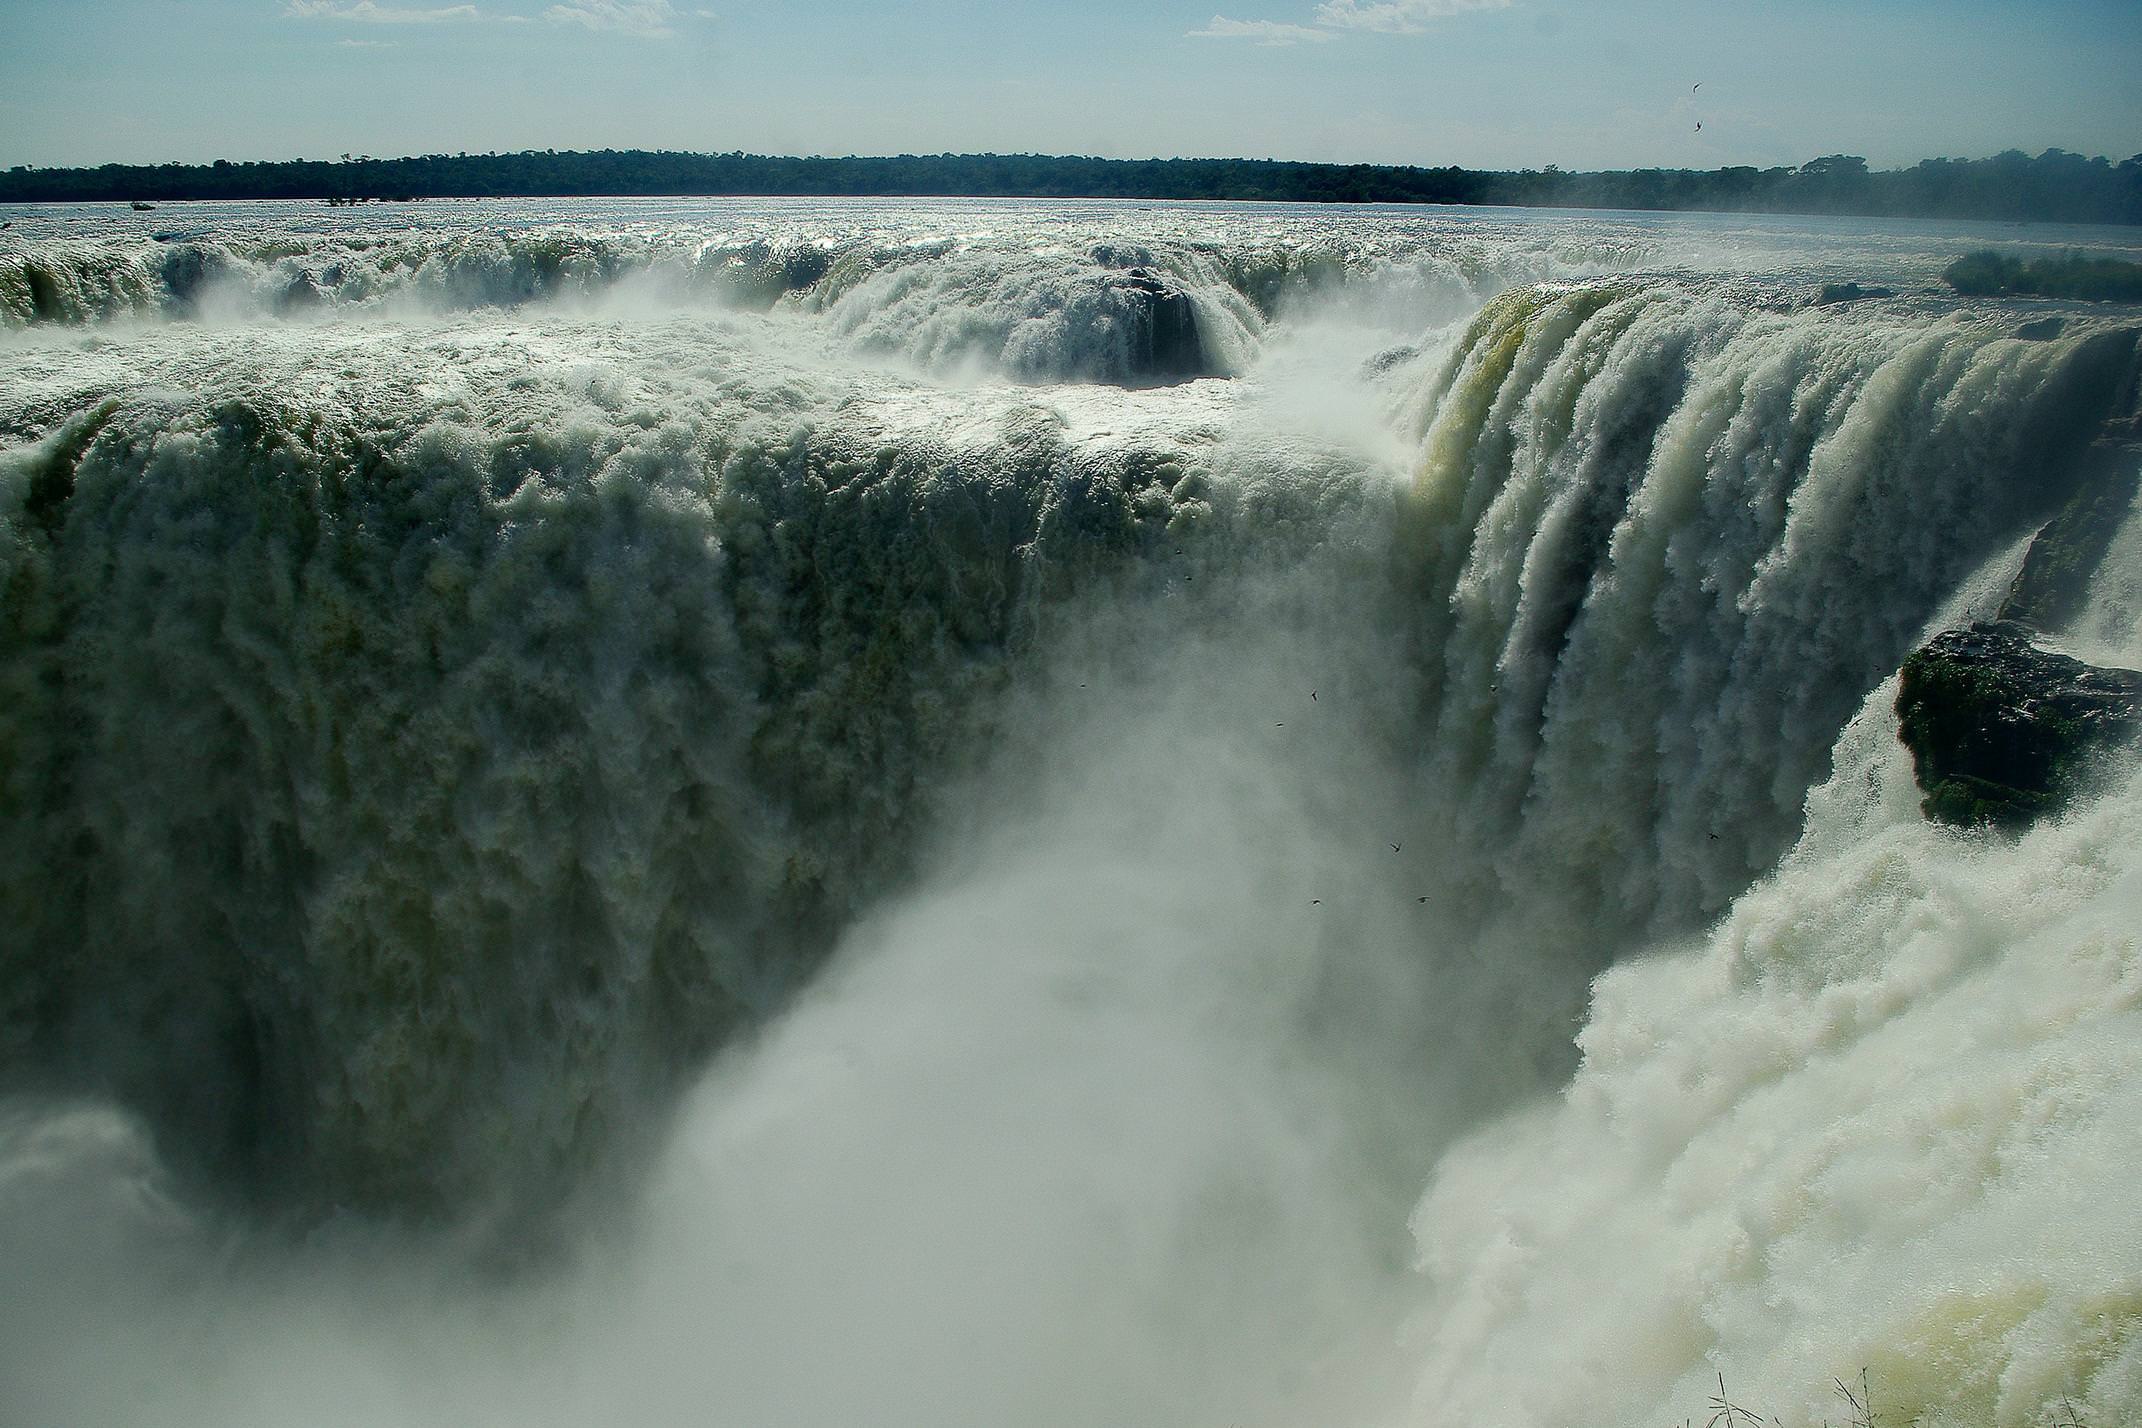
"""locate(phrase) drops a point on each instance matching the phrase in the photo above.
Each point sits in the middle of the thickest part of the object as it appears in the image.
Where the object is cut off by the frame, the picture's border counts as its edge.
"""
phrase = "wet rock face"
(1171, 349)
(1849, 292)
(2051, 588)
(2000, 731)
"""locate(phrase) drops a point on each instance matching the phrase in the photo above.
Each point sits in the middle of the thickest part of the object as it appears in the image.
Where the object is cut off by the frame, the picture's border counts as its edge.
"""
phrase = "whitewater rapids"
(967, 814)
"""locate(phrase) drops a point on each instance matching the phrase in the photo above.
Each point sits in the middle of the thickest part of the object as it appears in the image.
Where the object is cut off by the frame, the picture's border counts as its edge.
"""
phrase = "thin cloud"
(1333, 17)
(644, 19)
(365, 12)
(1396, 17)
(368, 44)
(1263, 32)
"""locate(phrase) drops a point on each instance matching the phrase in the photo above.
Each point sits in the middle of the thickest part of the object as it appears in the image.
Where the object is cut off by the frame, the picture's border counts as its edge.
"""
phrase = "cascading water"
(1881, 1116)
(1652, 510)
(875, 849)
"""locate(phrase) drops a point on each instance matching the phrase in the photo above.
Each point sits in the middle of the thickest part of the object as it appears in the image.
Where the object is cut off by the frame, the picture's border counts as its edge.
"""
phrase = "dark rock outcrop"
(1849, 292)
(300, 294)
(2050, 589)
(2001, 732)
(2055, 579)
(1168, 348)
(2071, 275)
(188, 269)
(1389, 358)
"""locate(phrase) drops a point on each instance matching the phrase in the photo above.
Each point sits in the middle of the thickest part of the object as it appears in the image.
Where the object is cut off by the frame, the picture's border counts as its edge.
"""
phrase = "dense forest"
(2056, 186)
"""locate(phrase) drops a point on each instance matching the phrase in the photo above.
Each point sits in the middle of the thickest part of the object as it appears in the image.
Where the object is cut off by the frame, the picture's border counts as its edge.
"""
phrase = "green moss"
(1990, 274)
(1967, 802)
(2001, 733)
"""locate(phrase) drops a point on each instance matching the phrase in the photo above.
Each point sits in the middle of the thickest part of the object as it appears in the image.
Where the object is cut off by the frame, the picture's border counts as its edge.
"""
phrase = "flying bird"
(1394, 847)
(1699, 126)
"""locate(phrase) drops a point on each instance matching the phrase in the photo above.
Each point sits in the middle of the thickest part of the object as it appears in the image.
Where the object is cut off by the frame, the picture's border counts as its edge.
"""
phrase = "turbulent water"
(998, 813)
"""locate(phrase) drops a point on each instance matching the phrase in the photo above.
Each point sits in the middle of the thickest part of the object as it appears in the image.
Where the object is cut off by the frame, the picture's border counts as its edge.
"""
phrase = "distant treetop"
(2055, 186)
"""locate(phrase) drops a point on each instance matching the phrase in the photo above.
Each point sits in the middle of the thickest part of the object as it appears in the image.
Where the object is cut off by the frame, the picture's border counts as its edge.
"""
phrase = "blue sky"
(1486, 83)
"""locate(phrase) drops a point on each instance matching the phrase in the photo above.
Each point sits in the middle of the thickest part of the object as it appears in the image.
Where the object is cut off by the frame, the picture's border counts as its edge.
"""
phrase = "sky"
(1481, 83)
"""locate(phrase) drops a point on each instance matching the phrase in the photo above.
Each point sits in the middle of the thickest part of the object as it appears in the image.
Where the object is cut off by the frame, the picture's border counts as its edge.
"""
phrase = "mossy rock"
(2002, 733)
(1987, 273)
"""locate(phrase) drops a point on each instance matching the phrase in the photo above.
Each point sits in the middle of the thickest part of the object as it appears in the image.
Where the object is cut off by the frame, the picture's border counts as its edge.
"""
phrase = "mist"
(1113, 1114)
(671, 816)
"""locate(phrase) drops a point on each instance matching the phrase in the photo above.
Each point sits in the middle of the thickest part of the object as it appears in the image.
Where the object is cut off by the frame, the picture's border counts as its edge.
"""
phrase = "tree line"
(2055, 186)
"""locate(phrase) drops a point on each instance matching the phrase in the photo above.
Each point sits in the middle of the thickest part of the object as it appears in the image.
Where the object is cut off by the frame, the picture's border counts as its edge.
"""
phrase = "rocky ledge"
(2002, 732)
(1166, 345)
